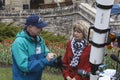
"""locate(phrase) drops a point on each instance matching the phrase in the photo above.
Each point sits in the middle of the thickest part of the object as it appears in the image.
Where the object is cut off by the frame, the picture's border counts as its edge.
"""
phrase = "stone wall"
(63, 24)
(15, 4)
(18, 4)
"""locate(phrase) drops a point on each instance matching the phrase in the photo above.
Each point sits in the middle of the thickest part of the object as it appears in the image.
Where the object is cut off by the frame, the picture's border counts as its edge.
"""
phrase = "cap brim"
(42, 25)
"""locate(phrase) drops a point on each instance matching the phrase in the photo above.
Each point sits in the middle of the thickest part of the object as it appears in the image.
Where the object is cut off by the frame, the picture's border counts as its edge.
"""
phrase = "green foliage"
(5, 54)
(111, 64)
(53, 37)
(7, 31)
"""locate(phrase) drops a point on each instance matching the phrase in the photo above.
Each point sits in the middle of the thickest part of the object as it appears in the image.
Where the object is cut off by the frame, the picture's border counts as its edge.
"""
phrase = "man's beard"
(32, 34)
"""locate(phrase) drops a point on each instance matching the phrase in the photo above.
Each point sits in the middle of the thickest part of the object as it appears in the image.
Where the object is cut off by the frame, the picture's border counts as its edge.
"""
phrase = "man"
(29, 53)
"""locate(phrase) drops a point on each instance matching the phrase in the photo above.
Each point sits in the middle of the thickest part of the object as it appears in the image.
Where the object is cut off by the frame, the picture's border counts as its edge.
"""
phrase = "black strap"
(100, 32)
(98, 45)
(103, 6)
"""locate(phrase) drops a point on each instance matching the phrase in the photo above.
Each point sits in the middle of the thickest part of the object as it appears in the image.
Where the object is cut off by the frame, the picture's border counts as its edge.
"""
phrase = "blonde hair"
(81, 26)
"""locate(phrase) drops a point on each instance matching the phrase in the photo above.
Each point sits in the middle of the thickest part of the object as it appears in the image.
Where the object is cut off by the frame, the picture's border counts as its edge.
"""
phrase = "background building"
(26, 4)
(36, 4)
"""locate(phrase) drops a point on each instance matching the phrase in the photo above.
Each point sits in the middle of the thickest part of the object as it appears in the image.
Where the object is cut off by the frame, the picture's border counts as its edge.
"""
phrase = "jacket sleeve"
(38, 61)
(26, 64)
(66, 62)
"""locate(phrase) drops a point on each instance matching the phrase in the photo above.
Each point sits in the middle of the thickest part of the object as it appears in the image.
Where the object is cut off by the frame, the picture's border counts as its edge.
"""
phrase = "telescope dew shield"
(102, 18)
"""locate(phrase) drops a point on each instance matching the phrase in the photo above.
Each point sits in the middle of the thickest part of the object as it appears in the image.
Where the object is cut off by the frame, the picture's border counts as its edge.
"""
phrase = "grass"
(6, 74)
(49, 76)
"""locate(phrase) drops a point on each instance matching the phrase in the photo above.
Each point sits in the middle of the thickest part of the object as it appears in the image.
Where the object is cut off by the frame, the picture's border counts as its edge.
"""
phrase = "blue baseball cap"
(36, 21)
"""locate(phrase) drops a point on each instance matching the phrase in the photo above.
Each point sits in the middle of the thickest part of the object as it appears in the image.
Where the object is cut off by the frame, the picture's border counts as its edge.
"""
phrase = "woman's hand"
(69, 78)
(73, 79)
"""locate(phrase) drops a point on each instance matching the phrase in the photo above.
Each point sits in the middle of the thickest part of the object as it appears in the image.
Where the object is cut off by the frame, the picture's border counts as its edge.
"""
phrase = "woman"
(77, 53)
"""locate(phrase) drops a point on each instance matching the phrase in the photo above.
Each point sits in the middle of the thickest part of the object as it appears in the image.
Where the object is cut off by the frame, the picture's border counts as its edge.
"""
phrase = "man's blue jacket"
(28, 63)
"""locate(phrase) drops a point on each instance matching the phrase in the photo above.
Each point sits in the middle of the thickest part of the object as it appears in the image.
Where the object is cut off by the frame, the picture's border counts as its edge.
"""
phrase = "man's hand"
(50, 56)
